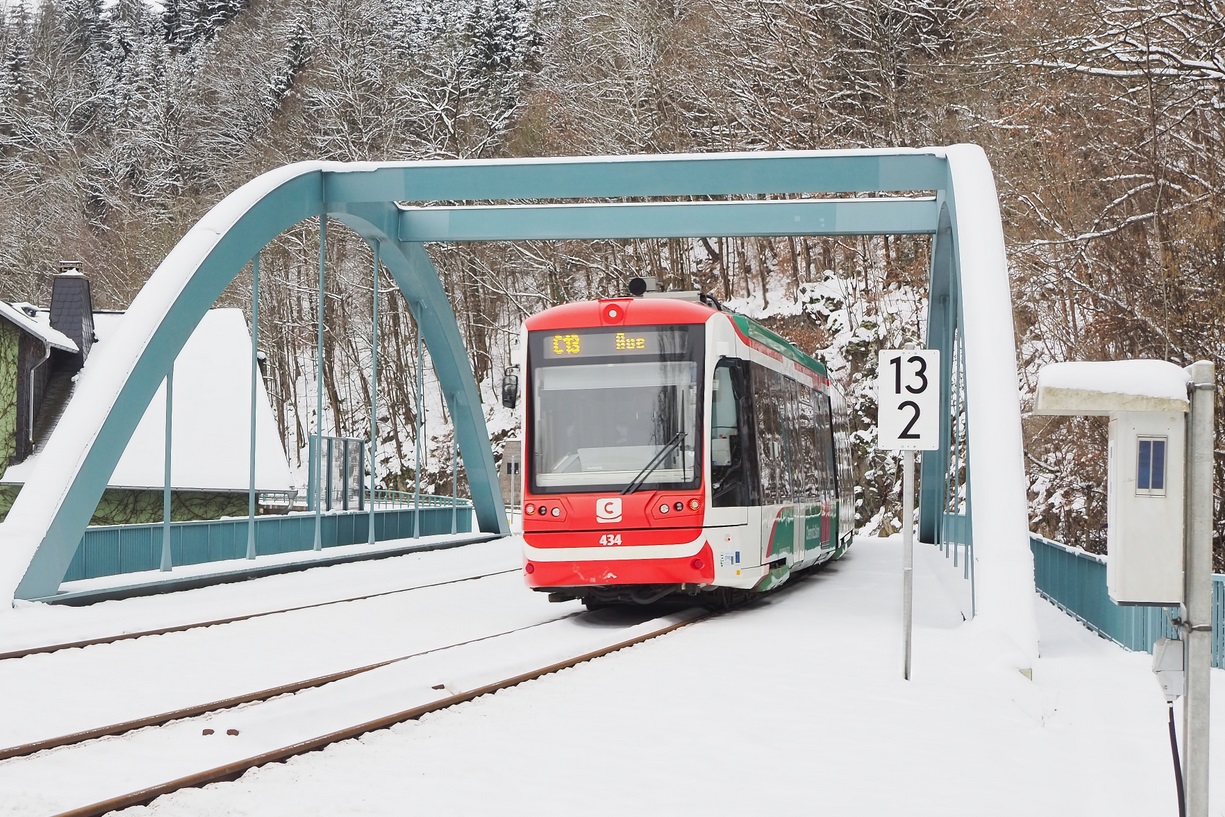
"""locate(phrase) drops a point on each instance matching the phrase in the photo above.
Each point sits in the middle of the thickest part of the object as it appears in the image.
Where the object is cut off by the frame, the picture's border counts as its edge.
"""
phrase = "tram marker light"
(613, 313)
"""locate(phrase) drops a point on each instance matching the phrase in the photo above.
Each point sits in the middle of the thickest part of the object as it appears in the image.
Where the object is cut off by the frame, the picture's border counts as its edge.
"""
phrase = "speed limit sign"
(908, 400)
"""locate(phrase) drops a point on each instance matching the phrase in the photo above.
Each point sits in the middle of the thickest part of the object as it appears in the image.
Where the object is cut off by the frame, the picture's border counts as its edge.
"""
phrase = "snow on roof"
(49, 336)
(211, 419)
(1100, 387)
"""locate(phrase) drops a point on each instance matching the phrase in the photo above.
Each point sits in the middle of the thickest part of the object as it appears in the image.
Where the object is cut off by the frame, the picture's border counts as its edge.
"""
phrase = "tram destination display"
(633, 340)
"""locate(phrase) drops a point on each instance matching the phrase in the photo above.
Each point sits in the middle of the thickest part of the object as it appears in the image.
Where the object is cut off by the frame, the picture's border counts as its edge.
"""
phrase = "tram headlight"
(664, 508)
(528, 510)
(555, 512)
(694, 504)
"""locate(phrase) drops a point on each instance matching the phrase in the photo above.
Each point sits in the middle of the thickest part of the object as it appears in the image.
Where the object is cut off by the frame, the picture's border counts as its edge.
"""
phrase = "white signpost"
(908, 420)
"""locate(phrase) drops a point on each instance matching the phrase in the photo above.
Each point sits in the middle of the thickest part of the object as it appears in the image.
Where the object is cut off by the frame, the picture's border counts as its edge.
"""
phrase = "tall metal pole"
(166, 560)
(323, 231)
(374, 388)
(907, 556)
(1197, 578)
(254, 384)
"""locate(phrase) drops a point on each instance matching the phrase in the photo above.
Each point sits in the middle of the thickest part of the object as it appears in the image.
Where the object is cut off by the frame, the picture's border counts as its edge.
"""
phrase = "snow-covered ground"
(795, 705)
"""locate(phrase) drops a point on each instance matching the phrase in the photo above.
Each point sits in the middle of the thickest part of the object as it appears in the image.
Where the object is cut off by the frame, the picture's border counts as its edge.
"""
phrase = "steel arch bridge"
(969, 493)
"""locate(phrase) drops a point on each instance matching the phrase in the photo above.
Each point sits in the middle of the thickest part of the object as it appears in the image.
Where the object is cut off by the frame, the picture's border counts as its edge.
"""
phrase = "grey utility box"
(1147, 403)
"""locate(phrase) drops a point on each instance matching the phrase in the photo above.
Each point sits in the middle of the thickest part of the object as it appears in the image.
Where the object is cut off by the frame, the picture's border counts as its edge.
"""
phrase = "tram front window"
(597, 426)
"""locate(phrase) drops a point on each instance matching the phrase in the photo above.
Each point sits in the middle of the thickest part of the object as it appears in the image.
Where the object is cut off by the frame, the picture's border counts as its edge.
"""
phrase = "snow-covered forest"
(122, 123)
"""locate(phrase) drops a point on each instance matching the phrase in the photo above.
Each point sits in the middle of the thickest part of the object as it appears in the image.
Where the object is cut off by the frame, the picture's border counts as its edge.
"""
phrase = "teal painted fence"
(1076, 582)
(114, 549)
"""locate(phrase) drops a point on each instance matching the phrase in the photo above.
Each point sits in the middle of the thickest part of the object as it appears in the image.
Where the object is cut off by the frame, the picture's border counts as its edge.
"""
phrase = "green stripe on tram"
(777, 342)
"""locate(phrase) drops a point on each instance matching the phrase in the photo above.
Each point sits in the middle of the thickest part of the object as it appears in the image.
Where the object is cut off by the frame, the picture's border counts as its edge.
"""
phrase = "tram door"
(733, 459)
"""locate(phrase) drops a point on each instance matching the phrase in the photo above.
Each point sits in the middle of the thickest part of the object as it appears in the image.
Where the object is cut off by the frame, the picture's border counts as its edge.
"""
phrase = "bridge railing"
(108, 550)
(1075, 581)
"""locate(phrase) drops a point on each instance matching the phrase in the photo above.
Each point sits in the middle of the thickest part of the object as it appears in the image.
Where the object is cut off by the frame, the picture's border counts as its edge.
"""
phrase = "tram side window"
(806, 430)
(792, 445)
(831, 458)
(769, 434)
(821, 432)
(728, 469)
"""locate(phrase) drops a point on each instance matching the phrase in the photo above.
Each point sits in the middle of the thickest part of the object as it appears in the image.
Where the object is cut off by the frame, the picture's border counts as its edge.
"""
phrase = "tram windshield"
(616, 423)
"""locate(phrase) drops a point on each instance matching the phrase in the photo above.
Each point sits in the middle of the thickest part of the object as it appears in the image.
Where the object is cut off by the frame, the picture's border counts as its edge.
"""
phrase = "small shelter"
(41, 353)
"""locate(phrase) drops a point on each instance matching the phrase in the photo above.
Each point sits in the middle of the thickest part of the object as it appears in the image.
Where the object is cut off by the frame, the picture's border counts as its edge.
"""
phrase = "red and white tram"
(671, 446)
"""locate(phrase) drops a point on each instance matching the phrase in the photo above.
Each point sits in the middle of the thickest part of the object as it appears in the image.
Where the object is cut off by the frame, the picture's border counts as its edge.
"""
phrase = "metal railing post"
(420, 422)
(323, 230)
(374, 388)
(454, 480)
(166, 557)
(254, 384)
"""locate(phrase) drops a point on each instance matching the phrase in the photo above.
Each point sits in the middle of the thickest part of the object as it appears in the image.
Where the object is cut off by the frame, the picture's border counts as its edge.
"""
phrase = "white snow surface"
(793, 706)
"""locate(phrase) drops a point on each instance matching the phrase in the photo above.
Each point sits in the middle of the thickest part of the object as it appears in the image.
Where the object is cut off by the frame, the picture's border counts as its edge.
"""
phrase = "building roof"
(210, 421)
(42, 331)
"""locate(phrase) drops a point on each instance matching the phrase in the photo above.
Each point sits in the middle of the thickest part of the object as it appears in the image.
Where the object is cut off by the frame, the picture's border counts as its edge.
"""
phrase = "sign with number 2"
(908, 400)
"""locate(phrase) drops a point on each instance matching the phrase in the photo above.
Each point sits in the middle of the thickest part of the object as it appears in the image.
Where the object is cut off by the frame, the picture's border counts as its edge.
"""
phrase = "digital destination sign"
(632, 340)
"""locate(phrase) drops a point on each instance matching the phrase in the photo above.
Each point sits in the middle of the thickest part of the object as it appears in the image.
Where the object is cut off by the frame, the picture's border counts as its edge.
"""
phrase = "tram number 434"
(908, 399)
(610, 539)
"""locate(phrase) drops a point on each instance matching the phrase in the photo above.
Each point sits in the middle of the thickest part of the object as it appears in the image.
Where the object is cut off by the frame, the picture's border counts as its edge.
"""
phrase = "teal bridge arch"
(969, 493)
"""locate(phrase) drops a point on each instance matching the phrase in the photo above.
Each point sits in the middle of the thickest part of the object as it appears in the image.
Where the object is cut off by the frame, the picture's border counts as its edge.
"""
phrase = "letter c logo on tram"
(608, 509)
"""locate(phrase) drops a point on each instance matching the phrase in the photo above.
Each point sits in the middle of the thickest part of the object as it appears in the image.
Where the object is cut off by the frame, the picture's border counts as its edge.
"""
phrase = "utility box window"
(1150, 474)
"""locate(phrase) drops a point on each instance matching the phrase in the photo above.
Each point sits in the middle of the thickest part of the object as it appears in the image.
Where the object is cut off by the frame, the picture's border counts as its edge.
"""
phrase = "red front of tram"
(613, 488)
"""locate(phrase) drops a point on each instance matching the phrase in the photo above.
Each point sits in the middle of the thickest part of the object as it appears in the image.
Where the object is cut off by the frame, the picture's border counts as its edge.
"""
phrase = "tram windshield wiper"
(650, 467)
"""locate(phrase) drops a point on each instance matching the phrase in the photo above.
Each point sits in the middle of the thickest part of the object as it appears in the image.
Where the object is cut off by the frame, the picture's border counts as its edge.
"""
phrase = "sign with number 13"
(908, 400)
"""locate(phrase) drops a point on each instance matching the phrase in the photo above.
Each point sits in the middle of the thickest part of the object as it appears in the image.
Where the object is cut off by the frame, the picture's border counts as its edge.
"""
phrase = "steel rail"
(233, 770)
(164, 718)
(179, 628)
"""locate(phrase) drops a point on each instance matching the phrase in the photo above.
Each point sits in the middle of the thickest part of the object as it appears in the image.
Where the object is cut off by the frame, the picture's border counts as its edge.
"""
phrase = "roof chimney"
(72, 309)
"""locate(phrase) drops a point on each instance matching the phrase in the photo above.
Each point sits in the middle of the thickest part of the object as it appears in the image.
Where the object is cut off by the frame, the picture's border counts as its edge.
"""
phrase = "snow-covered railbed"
(37, 626)
(85, 689)
(140, 764)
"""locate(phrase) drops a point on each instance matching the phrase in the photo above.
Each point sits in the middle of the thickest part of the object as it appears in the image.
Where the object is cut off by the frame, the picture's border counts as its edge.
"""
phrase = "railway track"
(221, 740)
(112, 638)
(163, 718)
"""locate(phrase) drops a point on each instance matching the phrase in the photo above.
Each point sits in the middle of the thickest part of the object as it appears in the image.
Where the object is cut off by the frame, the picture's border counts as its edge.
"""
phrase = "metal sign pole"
(1197, 605)
(907, 555)
(908, 420)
